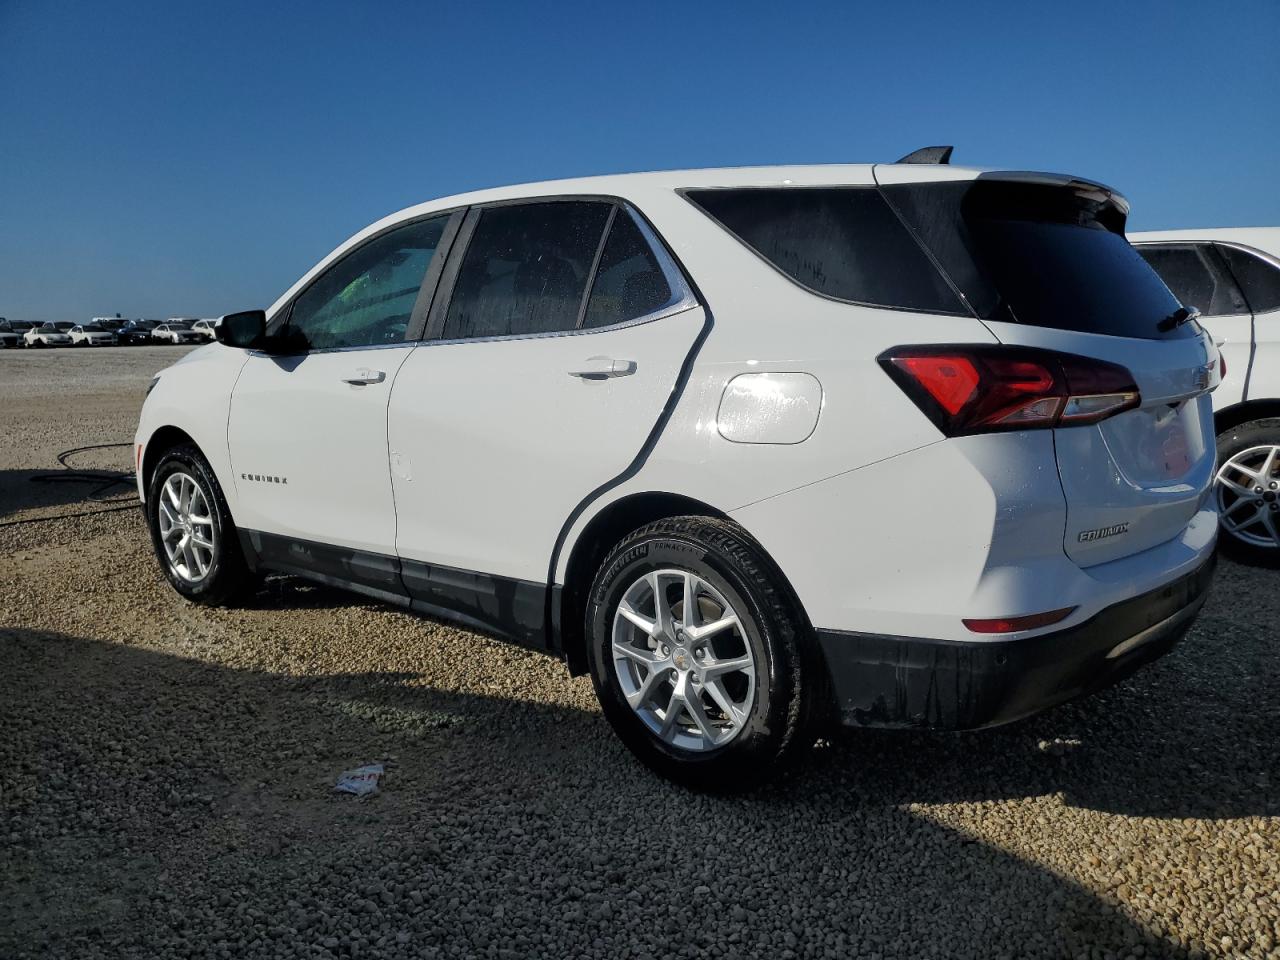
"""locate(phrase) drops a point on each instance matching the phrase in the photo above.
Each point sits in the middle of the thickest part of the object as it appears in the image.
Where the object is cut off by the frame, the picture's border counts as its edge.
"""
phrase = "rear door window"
(1197, 277)
(1259, 278)
(629, 281)
(841, 242)
(526, 269)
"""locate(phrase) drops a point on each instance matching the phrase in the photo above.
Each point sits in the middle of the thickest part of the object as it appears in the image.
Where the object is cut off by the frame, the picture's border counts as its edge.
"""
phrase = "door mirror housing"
(246, 330)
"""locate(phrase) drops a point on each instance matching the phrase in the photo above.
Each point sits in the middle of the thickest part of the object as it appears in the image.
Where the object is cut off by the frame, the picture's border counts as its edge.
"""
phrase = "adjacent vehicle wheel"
(701, 661)
(1248, 491)
(192, 532)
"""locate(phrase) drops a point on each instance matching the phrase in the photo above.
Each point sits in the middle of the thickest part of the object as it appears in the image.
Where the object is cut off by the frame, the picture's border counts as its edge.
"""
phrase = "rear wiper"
(1177, 318)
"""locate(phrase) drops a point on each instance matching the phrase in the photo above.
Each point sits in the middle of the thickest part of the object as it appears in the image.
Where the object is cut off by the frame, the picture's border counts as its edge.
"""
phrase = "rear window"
(1040, 254)
(840, 242)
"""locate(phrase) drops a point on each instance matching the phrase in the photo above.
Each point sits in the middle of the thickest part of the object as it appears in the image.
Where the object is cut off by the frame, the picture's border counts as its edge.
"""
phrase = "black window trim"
(966, 310)
(682, 290)
(426, 290)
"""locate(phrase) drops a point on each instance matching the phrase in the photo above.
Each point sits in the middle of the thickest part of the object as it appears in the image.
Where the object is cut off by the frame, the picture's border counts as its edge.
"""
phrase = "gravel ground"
(166, 778)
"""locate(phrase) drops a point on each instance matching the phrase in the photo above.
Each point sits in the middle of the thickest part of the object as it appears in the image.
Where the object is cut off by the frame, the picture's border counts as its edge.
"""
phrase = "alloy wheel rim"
(682, 660)
(186, 527)
(1248, 489)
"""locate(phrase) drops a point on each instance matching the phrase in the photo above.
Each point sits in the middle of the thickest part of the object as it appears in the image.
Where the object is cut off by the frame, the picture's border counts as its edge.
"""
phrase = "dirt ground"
(166, 776)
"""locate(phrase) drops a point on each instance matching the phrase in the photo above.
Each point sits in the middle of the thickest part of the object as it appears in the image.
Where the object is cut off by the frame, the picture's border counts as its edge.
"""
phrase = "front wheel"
(1248, 491)
(700, 659)
(192, 533)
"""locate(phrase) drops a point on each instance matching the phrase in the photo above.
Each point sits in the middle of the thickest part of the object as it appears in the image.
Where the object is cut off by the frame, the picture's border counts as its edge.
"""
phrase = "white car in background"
(1233, 277)
(205, 328)
(91, 335)
(52, 334)
(174, 331)
(753, 447)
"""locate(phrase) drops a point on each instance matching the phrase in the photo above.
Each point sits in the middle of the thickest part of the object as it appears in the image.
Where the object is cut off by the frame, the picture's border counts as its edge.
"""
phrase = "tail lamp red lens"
(1015, 624)
(988, 388)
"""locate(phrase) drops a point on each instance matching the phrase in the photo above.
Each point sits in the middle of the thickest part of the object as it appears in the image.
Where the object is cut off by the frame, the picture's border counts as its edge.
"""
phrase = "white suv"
(911, 444)
(1233, 277)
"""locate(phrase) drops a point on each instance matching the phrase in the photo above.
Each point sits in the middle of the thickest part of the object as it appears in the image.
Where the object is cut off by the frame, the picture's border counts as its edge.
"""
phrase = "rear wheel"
(192, 532)
(699, 658)
(1248, 491)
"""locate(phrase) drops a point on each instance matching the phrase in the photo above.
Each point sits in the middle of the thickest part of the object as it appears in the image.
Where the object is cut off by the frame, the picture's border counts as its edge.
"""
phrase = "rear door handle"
(364, 377)
(601, 368)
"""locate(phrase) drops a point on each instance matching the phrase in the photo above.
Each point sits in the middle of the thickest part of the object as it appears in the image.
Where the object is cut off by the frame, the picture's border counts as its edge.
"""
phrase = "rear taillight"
(988, 388)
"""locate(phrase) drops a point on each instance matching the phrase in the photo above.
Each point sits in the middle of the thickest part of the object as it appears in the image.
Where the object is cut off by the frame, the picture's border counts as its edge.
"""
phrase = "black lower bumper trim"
(889, 681)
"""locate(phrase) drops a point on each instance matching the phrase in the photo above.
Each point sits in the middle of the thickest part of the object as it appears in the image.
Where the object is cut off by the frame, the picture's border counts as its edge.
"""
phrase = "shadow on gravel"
(153, 804)
(19, 492)
(1192, 735)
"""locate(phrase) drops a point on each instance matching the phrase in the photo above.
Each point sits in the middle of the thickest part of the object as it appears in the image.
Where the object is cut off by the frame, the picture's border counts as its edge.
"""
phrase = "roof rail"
(928, 155)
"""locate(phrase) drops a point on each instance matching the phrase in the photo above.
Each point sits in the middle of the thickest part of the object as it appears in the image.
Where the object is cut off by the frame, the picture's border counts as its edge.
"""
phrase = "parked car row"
(104, 331)
(898, 445)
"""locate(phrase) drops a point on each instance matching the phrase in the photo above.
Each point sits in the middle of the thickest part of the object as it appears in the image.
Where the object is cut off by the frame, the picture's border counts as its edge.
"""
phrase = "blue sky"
(172, 158)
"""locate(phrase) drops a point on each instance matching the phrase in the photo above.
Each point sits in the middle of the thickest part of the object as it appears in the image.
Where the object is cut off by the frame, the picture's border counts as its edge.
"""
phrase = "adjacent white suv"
(1233, 277)
(913, 445)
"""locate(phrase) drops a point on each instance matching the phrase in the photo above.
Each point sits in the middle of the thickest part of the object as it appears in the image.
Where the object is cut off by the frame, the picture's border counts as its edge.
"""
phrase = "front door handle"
(601, 368)
(364, 377)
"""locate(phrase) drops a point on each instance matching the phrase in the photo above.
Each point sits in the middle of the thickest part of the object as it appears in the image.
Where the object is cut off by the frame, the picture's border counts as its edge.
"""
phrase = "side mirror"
(246, 330)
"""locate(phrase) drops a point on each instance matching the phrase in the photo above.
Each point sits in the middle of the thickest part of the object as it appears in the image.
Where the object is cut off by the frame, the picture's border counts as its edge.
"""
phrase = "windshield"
(92, 328)
(1040, 254)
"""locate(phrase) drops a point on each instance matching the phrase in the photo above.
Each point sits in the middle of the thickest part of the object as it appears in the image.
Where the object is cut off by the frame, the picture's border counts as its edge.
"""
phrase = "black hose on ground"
(105, 479)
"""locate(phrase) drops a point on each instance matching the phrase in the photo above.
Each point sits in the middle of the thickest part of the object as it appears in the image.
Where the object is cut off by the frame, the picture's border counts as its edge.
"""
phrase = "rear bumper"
(888, 681)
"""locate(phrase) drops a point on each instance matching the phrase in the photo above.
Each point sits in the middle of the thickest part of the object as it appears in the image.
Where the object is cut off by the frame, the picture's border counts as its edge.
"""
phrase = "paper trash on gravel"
(361, 781)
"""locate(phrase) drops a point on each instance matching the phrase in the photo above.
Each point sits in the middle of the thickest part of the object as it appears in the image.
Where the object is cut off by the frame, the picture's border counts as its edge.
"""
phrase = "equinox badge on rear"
(1103, 532)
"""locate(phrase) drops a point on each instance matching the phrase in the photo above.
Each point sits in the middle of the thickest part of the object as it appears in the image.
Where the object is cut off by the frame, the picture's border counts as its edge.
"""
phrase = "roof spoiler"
(928, 155)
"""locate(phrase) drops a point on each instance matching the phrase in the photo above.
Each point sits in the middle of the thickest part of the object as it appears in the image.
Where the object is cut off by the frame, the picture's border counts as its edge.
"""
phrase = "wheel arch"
(1236, 414)
(613, 522)
(162, 440)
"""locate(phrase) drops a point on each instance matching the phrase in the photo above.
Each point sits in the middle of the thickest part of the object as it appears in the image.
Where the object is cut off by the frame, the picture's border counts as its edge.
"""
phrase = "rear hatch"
(1043, 261)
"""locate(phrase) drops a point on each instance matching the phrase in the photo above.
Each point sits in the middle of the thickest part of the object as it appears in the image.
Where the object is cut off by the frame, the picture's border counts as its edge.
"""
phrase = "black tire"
(1231, 443)
(228, 579)
(790, 700)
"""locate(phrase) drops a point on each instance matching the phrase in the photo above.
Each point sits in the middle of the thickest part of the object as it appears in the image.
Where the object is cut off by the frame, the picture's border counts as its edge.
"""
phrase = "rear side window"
(629, 281)
(1197, 277)
(1259, 278)
(526, 269)
(841, 242)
